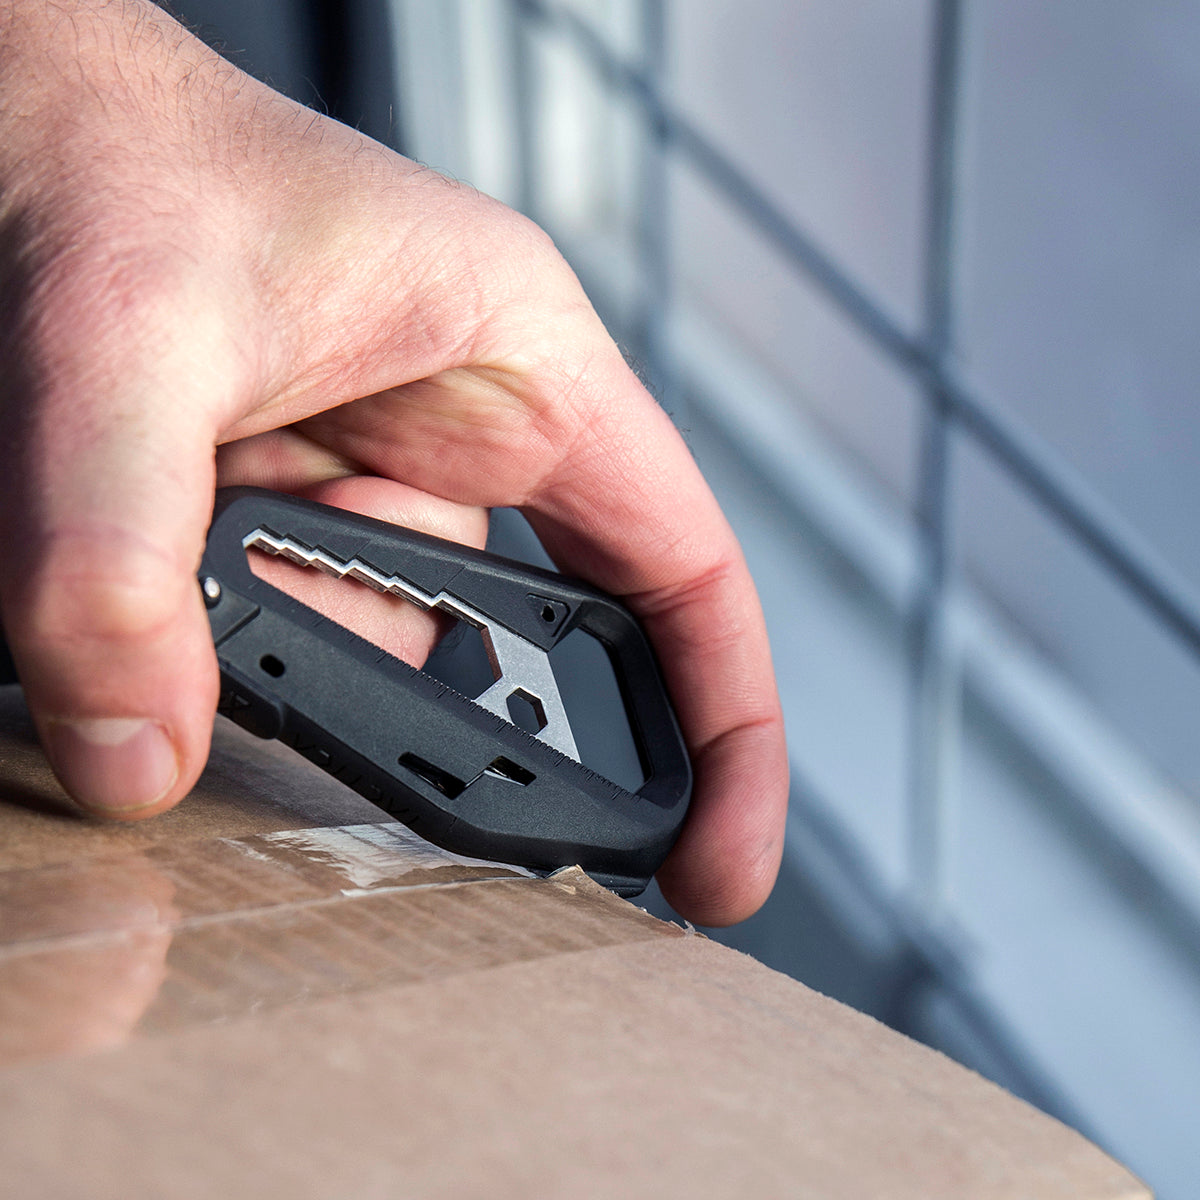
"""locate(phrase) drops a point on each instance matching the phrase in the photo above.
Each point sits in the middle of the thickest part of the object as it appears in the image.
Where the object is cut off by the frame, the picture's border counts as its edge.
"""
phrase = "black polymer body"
(454, 772)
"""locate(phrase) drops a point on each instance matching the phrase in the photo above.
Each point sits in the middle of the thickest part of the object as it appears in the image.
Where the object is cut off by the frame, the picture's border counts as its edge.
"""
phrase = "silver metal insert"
(517, 664)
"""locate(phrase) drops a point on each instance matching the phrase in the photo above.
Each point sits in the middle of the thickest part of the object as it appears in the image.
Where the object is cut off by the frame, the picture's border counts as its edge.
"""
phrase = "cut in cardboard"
(276, 991)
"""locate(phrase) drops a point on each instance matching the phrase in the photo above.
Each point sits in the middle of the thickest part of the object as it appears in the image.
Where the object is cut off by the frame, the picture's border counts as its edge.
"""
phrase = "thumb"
(108, 497)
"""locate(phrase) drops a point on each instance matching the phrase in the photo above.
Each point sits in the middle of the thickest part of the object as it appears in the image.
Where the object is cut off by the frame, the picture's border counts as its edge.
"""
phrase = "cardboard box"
(276, 991)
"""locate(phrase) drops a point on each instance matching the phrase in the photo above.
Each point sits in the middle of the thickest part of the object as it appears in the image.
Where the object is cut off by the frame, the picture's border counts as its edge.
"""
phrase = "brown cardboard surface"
(250, 786)
(281, 994)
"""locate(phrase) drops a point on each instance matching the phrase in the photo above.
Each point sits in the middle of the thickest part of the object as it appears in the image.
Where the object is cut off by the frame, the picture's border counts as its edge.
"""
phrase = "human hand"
(205, 283)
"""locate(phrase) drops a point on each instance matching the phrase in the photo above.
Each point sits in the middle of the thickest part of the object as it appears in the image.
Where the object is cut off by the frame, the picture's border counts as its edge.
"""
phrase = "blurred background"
(917, 281)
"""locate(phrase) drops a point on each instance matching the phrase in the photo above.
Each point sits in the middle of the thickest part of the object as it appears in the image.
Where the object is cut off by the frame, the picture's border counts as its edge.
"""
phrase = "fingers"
(616, 499)
(629, 510)
(146, 247)
(102, 530)
(552, 420)
(389, 622)
(114, 358)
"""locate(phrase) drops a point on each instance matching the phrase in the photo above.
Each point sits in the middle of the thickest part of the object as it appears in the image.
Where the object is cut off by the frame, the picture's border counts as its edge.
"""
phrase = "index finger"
(629, 509)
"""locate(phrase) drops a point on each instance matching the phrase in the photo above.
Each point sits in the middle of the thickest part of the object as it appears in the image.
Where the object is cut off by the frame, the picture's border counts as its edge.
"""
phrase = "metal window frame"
(953, 412)
(951, 406)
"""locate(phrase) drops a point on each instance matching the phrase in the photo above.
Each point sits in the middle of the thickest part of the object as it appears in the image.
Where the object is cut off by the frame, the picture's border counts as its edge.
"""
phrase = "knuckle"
(102, 304)
(112, 258)
(107, 610)
(109, 288)
(81, 595)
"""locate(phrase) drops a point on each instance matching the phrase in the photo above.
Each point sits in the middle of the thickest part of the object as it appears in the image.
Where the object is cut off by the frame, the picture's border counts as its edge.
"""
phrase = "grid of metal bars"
(952, 410)
(952, 406)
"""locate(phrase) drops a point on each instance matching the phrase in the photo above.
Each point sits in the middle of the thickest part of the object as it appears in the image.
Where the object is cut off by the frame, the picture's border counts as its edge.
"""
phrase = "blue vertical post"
(521, 52)
(935, 696)
(652, 233)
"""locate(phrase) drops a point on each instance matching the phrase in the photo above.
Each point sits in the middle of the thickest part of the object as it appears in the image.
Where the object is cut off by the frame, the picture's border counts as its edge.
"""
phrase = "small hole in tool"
(507, 769)
(446, 783)
(548, 614)
(591, 694)
(461, 661)
(526, 712)
(272, 665)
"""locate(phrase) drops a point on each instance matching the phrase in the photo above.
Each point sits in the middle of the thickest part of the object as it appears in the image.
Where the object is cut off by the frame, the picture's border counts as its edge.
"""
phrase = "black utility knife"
(456, 770)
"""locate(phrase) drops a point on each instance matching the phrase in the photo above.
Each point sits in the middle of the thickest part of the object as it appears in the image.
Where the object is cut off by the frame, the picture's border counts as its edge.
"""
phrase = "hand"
(203, 282)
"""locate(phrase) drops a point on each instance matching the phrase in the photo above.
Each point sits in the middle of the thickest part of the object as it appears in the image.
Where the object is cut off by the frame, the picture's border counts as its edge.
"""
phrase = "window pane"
(1081, 222)
(825, 106)
(740, 284)
(1138, 675)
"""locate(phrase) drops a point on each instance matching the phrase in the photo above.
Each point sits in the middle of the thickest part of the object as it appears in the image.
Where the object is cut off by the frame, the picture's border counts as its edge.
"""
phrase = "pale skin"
(203, 283)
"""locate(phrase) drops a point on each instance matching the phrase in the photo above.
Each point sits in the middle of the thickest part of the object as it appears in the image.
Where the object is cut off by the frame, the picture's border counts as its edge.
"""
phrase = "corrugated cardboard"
(275, 991)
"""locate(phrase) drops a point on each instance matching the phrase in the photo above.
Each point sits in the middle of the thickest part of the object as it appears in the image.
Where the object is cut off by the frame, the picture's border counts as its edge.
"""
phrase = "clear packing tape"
(160, 938)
